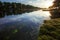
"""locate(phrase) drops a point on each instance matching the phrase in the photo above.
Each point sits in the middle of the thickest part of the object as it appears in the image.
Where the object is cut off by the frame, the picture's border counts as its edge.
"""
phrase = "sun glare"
(45, 13)
(47, 4)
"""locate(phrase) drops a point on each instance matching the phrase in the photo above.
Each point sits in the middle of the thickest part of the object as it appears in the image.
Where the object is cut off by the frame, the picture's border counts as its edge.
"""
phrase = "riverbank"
(50, 30)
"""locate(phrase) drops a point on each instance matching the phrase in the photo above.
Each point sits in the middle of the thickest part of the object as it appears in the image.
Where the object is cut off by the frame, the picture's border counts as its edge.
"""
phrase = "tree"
(7, 8)
(56, 11)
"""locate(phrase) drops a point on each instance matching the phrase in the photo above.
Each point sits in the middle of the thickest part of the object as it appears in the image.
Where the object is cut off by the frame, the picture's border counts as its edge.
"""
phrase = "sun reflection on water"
(41, 13)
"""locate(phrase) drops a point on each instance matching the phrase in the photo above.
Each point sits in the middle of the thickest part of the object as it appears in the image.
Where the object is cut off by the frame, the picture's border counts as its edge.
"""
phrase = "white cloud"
(38, 3)
(41, 3)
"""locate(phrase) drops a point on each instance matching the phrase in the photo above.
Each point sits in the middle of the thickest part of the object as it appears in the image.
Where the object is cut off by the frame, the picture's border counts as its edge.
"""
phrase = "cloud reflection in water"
(27, 24)
(36, 17)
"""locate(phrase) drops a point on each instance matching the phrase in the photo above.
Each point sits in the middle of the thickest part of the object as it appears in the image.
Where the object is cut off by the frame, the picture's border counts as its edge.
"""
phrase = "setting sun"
(46, 3)
(41, 3)
(29, 19)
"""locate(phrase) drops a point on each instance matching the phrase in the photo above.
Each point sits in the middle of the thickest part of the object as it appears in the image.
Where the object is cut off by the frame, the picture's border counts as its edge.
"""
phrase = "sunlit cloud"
(37, 3)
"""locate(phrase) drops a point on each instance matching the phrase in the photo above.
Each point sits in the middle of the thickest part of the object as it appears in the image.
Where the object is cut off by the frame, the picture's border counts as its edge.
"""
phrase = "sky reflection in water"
(28, 23)
(35, 17)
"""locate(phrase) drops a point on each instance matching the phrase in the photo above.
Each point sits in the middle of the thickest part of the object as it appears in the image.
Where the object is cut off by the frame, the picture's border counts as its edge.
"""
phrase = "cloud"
(38, 3)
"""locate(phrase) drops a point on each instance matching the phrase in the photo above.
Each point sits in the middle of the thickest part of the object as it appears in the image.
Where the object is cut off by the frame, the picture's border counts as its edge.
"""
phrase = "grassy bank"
(50, 30)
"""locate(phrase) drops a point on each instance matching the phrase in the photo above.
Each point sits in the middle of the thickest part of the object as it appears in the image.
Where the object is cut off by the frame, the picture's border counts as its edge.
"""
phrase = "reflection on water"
(27, 23)
(32, 16)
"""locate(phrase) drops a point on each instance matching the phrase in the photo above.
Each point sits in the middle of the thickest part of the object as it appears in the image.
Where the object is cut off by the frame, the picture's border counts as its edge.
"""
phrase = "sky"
(37, 3)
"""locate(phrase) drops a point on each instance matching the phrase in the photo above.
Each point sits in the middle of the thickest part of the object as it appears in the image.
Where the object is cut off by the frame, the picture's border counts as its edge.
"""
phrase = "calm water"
(27, 23)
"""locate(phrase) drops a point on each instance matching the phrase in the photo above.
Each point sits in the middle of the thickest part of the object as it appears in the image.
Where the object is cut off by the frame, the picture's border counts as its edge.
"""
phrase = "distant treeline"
(56, 9)
(7, 8)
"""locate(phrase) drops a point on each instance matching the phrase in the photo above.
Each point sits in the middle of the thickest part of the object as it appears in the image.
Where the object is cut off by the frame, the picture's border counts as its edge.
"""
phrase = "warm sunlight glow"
(47, 13)
(47, 4)
(41, 13)
(38, 3)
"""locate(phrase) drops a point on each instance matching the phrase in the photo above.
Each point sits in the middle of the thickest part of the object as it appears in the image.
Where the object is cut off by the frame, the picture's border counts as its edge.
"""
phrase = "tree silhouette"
(7, 8)
(56, 11)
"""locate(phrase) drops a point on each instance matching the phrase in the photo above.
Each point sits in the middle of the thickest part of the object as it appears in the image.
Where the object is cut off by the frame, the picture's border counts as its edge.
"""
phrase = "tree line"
(56, 11)
(7, 8)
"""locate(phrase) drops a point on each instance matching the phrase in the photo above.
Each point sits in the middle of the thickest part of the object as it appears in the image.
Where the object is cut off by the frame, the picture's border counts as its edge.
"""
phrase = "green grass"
(50, 30)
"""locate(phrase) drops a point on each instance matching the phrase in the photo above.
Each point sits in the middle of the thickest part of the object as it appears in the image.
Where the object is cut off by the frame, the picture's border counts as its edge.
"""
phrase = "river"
(27, 24)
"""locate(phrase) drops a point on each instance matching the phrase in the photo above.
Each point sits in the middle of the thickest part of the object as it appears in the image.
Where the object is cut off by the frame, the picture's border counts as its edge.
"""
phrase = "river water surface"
(28, 23)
